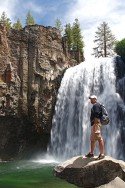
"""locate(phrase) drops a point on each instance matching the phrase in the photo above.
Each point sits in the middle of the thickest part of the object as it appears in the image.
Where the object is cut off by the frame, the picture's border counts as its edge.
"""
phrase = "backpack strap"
(104, 111)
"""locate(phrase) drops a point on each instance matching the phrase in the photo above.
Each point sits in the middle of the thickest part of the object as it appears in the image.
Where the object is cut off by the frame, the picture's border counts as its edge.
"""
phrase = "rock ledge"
(90, 173)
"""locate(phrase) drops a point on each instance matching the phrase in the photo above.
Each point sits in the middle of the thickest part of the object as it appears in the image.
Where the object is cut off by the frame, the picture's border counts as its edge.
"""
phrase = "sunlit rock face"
(32, 64)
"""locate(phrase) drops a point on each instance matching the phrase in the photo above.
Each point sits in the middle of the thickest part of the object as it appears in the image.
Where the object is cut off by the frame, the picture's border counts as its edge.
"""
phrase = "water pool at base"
(29, 174)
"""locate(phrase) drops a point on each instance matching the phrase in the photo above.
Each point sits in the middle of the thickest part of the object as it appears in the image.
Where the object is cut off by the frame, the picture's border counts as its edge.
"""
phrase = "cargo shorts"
(96, 131)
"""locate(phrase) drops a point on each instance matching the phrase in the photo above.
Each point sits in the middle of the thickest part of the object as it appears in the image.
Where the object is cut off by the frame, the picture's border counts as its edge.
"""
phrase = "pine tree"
(68, 34)
(17, 25)
(105, 41)
(58, 25)
(78, 43)
(5, 20)
(29, 19)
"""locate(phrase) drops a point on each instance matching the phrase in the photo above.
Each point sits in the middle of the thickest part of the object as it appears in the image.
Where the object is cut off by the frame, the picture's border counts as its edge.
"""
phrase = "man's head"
(93, 99)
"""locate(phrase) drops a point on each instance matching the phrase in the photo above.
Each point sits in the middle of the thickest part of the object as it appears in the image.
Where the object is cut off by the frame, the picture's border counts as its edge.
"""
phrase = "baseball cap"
(93, 97)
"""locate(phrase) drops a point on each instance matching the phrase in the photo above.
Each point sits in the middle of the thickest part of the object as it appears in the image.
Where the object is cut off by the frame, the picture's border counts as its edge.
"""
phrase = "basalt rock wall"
(120, 88)
(32, 63)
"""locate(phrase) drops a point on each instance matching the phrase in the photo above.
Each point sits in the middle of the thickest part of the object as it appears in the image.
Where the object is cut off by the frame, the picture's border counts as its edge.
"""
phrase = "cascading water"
(70, 135)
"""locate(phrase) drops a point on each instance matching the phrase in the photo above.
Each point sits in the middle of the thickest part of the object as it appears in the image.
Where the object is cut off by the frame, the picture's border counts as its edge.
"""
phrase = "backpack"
(104, 116)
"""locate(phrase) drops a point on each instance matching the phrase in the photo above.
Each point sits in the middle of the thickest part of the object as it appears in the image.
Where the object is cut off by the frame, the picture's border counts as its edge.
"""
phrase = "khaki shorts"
(96, 131)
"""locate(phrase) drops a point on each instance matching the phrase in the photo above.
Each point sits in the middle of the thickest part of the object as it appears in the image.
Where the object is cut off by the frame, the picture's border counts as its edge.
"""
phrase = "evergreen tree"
(29, 19)
(78, 43)
(58, 25)
(3, 18)
(6, 21)
(17, 25)
(120, 48)
(68, 34)
(105, 41)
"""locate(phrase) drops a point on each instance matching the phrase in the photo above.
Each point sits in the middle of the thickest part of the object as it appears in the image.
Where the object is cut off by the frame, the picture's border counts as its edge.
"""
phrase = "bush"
(120, 48)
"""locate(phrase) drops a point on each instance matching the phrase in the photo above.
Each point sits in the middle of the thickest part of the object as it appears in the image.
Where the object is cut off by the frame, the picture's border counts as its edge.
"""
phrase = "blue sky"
(91, 13)
(45, 12)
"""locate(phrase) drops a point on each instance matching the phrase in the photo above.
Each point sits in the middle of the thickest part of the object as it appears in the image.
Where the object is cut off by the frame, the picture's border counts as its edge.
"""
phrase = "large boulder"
(90, 172)
(116, 183)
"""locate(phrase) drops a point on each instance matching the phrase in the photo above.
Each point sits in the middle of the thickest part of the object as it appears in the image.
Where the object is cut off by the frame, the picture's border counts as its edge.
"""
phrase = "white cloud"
(19, 8)
(8, 7)
(92, 13)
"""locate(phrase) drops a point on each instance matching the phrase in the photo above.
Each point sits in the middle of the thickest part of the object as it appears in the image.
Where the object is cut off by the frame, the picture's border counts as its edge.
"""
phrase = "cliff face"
(120, 88)
(32, 63)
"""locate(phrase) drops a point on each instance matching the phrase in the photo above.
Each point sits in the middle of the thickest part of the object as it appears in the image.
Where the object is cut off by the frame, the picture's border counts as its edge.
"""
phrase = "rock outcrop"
(90, 173)
(120, 87)
(32, 64)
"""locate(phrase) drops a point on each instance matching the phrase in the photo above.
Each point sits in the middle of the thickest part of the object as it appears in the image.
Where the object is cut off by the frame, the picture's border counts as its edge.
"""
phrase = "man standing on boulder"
(96, 128)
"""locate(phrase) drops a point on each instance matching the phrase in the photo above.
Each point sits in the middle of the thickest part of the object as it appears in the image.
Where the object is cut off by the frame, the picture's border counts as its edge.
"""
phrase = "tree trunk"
(105, 50)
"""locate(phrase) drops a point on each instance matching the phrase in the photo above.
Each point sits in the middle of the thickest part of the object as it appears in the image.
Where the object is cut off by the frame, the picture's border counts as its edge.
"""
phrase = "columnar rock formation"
(32, 63)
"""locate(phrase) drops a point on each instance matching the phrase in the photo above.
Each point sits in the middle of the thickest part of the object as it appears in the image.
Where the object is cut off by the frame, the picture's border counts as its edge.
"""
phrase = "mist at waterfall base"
(70, 135)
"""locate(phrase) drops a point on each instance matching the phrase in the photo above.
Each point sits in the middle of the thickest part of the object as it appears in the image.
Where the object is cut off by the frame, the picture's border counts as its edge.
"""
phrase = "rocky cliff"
(120, 88)
(32, 63)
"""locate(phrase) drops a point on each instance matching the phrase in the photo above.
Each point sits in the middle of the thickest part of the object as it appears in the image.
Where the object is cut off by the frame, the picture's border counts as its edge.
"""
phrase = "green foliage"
(29, 19)
(120, 48)
(74, 37)
(77, 37)
(58, 25)
(68, 34)
(17, 25)
(5, 20)
(105, 41)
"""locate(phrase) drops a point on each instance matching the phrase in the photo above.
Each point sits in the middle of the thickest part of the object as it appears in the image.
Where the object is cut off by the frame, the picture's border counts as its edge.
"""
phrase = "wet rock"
(90, 173)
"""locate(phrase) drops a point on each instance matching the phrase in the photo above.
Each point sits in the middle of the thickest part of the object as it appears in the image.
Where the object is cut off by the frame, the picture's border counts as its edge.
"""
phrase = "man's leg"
(92, 139)
(92, 142)
(92, 146)
(101, 146)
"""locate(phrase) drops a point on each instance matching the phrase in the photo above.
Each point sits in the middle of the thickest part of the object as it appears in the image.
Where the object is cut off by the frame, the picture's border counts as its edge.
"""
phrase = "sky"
(90, 13)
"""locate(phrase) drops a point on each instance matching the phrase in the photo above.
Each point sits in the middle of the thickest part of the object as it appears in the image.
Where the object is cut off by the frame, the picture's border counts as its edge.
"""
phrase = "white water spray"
(70, 135)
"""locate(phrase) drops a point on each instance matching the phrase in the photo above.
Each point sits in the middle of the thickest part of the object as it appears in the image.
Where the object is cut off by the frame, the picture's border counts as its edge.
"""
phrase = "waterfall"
(70, 134)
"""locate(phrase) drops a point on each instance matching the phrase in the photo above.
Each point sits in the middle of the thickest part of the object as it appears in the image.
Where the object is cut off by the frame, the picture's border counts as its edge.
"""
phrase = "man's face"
(93, 101)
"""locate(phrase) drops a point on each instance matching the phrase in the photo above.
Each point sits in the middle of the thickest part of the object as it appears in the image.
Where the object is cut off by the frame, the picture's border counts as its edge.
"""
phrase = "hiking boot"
(89, 155)
(101, 156)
